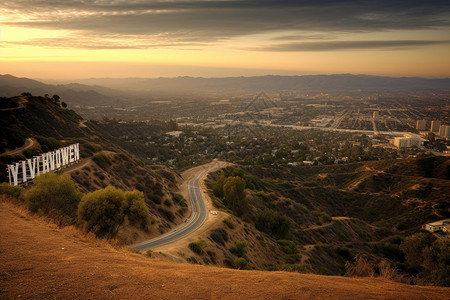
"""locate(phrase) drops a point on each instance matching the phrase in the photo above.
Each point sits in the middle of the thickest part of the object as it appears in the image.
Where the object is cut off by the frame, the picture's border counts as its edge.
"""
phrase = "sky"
(74, 39)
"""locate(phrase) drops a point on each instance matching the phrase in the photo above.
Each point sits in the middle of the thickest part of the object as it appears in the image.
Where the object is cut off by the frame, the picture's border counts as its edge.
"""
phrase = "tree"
(137, 210)
(234, 194)
(103, 211)
(413, 247)
(273, 223)
(56, 99)
(54, 195)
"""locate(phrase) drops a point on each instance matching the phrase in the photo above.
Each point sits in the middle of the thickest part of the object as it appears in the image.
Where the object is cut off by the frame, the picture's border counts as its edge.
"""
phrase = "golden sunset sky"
(62, 39)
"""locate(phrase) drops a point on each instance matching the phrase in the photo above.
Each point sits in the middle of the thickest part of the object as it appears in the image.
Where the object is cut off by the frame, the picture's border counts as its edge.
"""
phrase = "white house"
(442, 225)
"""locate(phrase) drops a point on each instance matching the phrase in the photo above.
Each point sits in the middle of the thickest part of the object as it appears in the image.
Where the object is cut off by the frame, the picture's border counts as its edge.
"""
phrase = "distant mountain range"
(341, 82)
(109, 91)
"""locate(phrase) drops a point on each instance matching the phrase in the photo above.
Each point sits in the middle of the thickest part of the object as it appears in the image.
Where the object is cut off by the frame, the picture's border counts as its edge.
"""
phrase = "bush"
(240, 263)
(91, 147)
(87, 168)
(197, 247)
(137, 211)
(103, 211)
(30, 153)
(167, 214)
(289, 247)
(156, 198)
(102, 160)
(140, 186)
(179, 199)
(239, 249)
(273, 223)
(48, 144)
(168, 202)
(53, 194)
(229, 223)
(11, 190)
(301, 268)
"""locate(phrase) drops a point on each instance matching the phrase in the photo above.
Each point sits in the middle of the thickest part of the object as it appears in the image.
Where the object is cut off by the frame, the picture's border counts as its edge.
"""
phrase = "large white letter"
(32, 167)
(58, 158)
(51, 158)
(45, 167)
(65, 156)
(14, 170)
(71, 153)
(76, 149)
(38, 165)
(24, 171)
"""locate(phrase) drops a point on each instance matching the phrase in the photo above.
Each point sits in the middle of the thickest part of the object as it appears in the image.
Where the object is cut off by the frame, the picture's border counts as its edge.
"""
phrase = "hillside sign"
(21, 172)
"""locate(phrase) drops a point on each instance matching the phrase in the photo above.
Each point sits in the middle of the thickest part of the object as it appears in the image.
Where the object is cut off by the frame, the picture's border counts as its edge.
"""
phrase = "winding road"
(196, 219)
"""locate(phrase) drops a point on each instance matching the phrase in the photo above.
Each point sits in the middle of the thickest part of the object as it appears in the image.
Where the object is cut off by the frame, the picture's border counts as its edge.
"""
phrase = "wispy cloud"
(348, 45)
(212, 21)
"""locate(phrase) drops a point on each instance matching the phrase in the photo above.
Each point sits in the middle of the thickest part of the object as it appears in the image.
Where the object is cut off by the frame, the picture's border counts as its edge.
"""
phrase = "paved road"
(198, 216)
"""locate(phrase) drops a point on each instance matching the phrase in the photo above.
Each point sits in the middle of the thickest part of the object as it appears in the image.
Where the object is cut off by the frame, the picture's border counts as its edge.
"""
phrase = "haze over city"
(81, 39)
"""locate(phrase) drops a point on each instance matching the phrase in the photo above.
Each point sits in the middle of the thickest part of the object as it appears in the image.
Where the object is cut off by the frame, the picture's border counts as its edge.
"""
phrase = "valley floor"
(39, 260)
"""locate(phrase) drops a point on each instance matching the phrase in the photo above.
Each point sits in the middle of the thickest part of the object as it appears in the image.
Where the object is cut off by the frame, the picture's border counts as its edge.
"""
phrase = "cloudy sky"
(69, 39)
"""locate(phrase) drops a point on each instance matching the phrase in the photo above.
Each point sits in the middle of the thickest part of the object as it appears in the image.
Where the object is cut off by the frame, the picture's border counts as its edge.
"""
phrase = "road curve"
(196, 219)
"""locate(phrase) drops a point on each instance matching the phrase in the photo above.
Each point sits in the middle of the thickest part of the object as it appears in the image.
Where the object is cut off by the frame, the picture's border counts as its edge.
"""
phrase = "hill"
(63, 263)
(103, 161)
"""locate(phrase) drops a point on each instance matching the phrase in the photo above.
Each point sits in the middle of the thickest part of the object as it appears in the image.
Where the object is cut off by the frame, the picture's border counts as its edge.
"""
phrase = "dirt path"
(28, 144)
(40, 261)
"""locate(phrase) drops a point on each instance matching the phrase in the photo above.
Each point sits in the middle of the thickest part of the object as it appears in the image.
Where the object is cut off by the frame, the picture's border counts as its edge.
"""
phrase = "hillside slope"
(62, 263)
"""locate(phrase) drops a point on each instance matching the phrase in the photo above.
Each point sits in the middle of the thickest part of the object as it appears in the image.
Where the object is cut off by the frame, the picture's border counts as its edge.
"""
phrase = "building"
(407, 142)
(376, 114)
(421, 124)
(444, 131)
(435, 126)
(442, 225)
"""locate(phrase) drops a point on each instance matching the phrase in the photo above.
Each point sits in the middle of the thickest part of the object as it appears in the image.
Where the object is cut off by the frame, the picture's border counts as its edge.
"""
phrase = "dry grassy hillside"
(39, 260)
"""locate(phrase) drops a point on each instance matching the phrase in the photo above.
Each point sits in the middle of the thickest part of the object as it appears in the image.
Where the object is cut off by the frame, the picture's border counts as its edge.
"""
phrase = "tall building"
(435, 126)
(421, 124)
(444, 131)
(376, 114)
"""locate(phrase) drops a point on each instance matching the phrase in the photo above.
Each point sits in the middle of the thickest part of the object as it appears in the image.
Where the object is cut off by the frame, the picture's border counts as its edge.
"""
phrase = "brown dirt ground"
(39, 260)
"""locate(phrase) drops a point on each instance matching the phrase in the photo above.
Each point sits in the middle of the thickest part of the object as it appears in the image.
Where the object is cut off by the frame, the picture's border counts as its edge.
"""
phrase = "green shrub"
(166, 213)
(53, 194)
(178, 199)
(149, 253)
(229, 223)
(140, 186)
(289, 247)
(304, 208)
(48, 144)
(273, 223)
(197, 247)
(301, 268)
(30, 153)
(156, 198)
(239, 249)
(102, 160)
(168, 202)
(103, 211)
(87, 168)
(11, 190)
(91, 147)
(137, 211)
(240, 263)
(124, 156)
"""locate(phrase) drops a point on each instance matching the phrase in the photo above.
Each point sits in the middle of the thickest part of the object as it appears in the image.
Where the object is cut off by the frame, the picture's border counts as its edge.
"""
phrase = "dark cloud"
(210, 21)
(348, 45)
